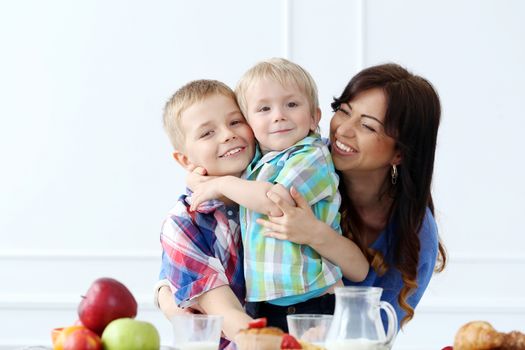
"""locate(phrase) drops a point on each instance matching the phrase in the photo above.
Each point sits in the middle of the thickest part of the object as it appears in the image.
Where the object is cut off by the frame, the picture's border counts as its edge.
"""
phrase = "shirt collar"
(265, 158)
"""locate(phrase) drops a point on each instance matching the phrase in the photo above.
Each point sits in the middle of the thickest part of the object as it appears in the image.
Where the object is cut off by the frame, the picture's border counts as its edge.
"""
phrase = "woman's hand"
(298, 224)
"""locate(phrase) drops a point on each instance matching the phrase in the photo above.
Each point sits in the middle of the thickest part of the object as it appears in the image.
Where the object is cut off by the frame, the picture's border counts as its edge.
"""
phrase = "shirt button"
(290, 310)
(230, 213)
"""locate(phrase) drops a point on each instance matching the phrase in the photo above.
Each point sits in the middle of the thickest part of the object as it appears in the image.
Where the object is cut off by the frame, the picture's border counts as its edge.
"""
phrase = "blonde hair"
(284, 72)
(185, 97)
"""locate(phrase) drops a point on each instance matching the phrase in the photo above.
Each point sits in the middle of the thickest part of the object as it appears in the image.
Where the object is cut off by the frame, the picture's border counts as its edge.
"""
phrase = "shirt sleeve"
(163, 267)
(163, 281)
(428, 237)
(188, 264)
(312, 173)
(308, 170)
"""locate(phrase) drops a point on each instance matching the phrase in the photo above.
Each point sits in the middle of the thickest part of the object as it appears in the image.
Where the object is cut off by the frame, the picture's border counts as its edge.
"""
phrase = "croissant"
(478, 335)
(513, 341)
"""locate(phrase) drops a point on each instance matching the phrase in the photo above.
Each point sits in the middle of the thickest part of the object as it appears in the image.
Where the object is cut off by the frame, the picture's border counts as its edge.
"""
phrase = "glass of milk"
(196, 331)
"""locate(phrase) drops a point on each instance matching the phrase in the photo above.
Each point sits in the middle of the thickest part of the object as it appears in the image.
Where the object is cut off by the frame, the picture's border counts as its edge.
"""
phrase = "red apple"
(77, 323)
(106, 300)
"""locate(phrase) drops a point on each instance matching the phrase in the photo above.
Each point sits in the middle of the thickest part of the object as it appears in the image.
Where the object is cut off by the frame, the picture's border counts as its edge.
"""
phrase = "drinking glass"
(196, 332)
(312, 328)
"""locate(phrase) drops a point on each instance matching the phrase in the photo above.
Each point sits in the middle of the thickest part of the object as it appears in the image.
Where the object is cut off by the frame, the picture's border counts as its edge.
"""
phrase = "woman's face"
(357, 136)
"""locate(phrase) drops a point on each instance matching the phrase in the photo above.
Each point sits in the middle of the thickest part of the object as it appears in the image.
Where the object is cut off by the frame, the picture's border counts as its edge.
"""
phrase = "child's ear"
(316, 118)
(183, 160)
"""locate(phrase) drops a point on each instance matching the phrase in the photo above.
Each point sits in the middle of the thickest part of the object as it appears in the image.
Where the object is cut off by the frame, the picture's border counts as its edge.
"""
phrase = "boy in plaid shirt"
(279, 100)
(202, 261)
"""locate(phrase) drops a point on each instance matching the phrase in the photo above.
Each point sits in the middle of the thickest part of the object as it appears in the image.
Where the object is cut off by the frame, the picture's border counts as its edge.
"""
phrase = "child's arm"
(197, 176)
(249, 194)
(222, 301)
(167, 304)
(191, 268)
(218, 301)
(163, 297)
(298, 224)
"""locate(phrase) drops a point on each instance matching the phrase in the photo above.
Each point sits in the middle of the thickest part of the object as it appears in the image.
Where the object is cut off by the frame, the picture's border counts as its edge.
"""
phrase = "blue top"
(391, 281)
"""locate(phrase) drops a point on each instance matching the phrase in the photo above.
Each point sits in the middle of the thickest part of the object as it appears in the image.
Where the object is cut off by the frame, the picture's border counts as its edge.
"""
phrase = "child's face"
(217, 137)
(280, 116)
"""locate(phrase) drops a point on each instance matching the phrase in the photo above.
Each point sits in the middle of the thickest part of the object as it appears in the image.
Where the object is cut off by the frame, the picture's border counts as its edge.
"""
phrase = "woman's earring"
(394, 174)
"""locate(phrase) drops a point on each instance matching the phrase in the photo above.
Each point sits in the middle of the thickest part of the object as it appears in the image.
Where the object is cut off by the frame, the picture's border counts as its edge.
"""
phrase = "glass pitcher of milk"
(357, 321)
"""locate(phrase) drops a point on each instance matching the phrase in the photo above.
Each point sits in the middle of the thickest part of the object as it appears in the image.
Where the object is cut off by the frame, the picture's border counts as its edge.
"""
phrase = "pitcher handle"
(392, 321)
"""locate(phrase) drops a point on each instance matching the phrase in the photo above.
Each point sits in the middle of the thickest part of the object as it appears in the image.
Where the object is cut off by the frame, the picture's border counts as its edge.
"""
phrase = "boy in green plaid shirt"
(279, 101)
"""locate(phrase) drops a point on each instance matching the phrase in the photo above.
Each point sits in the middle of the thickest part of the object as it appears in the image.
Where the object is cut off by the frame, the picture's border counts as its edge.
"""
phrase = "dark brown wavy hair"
(412, 119)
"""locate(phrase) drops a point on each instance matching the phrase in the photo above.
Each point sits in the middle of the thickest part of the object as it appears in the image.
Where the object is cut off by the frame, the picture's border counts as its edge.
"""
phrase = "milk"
(198, 345)
(355, 344)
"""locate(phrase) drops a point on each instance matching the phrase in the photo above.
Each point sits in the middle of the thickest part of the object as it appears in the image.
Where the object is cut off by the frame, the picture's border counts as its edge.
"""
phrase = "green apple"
(130, 334)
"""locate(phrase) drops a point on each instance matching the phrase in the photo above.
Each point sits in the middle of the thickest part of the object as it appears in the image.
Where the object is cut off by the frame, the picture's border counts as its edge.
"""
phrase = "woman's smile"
(344, 148)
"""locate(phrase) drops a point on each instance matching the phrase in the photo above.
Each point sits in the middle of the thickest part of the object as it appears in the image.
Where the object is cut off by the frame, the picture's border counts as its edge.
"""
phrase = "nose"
(346, 128)
(278, 115)
(228, 134)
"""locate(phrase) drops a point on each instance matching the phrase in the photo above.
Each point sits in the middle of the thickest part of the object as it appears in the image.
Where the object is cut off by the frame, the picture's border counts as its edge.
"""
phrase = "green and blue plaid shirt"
(276, 269)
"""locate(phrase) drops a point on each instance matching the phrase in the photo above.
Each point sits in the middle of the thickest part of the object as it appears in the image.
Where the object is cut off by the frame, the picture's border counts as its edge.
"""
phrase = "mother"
(383, 140)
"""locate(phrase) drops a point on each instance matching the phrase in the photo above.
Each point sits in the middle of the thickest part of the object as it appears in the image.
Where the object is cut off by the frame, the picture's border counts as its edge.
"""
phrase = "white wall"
(86, 175)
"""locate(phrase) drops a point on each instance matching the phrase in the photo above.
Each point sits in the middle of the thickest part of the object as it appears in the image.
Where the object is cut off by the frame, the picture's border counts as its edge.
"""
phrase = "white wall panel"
(84, 87)
(469, 50)
(473, 52)
(31, 324)
(326, 39)
(473, 287)
(87, 176)
(221, 39)
(44, 289)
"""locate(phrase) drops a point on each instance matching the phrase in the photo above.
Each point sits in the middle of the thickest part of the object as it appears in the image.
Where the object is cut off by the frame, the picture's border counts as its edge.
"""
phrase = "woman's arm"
(298, 224)
(392, 281)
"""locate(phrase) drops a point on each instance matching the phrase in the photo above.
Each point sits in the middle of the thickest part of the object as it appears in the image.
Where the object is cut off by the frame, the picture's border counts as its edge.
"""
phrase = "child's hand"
(198, 170)
(297, 224)
(204, 191)
(283, 193)
(197, 176)
(191, 311)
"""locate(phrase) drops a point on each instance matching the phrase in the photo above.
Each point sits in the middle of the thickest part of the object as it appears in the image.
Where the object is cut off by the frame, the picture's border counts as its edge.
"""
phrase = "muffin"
(264, 338)
(260, 337)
